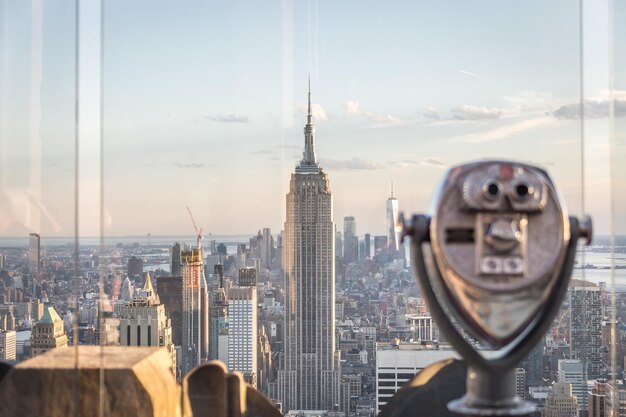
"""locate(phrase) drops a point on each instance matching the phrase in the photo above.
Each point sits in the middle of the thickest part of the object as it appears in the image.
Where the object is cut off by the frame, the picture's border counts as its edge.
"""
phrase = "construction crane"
(198, 232)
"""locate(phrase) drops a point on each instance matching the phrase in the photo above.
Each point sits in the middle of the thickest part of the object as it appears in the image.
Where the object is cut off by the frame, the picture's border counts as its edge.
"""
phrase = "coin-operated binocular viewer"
(493, 261)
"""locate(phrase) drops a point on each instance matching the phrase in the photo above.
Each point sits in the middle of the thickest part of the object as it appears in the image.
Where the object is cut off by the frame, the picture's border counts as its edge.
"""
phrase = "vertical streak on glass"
(4, 83)
(101, 269)
(76, 283)
(287, 63)
(585, 299)
(612, 231)
(36, 69)
(313, 28)
(287, 76)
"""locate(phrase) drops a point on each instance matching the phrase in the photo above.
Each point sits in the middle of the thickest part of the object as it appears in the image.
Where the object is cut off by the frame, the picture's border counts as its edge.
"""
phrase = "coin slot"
(460, 235)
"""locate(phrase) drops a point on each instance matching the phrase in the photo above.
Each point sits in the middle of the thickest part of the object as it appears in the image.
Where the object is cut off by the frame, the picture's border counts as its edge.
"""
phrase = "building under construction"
(195, 306)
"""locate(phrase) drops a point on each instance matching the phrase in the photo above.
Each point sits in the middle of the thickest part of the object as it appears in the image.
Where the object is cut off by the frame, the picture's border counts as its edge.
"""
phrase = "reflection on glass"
(202, 106)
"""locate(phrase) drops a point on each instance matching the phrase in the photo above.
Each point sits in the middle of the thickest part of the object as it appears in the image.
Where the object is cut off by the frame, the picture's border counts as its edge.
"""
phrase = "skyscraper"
(561, 402)
(242, 332)
(195, 332)
(175, 267)
(586, 328)
(48, 333)
(392, 220)
(350, 240)
(310, 376)
(143, 321)
(338, 243)
(7, 345)
(533, 364)
(596, 399)
(247, 277)
(571, 371)
(170, 290)
(34, 255)
(135, 267)
(218, 316)
(267, 249)
(368, 246)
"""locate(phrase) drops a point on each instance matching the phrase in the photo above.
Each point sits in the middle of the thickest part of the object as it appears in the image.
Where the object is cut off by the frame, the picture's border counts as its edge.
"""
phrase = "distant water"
(16, 242)
(598, 255)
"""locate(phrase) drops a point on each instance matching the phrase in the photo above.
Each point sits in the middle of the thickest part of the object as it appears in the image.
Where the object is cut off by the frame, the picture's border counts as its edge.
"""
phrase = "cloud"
(263, 152)
(406, 162)
(383, 119)
(468, 112)
(594, 109)
(504, 131)
(434, 161)
(431, 113)
(352, 108)
(229, 118)
(354, 164)
(189, 165)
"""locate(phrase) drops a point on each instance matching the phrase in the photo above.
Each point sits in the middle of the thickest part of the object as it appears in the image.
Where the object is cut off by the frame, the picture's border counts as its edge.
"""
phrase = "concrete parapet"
(209, 390)
(138, 382)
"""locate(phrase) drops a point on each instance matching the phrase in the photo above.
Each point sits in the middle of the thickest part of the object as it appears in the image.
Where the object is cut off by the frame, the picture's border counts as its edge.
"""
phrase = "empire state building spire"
(308, 156)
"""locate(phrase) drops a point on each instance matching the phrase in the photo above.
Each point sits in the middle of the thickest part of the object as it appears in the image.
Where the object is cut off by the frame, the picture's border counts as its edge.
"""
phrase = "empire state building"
(309, 376)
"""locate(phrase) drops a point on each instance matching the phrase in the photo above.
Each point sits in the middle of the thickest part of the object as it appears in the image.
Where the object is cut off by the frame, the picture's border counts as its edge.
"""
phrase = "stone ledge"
(138, 382)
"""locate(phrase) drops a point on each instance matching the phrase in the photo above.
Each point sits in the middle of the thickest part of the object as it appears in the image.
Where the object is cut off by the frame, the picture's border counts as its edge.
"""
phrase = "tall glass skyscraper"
(392, 220)
(309, 378)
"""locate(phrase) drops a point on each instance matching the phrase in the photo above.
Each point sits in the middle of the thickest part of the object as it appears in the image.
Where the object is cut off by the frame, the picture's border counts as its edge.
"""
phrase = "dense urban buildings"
(323, 321)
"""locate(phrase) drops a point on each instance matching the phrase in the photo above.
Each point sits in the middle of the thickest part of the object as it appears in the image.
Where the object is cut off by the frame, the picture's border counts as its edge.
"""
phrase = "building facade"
(561, 402)
(571, 371)
(615, 400)
(586, 328)
(48, 333)
(395, 365)
(309, 378)
(195, 314)
(243, 332)
(8, 345)
(143, 321)
(596, 399)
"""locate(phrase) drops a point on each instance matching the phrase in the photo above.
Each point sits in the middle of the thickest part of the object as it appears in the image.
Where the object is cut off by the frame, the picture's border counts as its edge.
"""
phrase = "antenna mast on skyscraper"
(198, 232)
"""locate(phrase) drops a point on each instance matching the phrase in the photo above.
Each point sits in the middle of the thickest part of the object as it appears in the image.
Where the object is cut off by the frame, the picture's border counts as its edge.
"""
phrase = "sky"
(202, 104)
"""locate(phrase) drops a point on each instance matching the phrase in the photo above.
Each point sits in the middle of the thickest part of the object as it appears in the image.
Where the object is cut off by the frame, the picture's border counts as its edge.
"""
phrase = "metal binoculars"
(493, 261)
